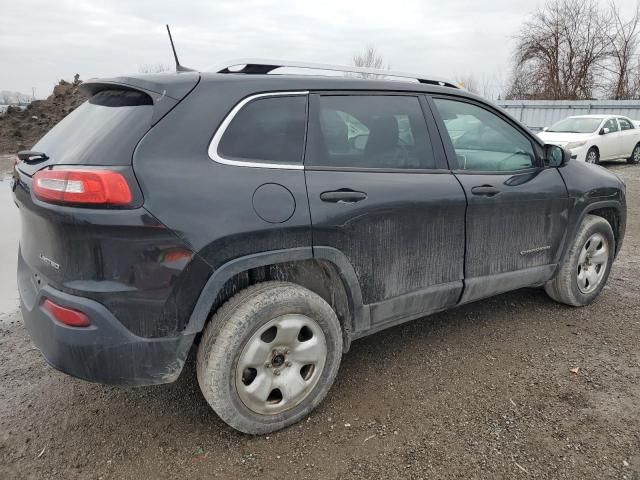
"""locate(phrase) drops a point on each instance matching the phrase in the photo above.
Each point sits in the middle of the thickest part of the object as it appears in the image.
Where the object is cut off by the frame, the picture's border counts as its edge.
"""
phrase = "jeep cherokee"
(268, 220)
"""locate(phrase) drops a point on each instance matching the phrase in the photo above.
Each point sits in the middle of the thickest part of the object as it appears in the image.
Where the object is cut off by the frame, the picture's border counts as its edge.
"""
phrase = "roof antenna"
(179, 68)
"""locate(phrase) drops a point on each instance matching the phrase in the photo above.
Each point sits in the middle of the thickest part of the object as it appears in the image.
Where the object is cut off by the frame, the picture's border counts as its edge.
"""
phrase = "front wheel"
(586, 268)
(634, 159)
(593, 156)
(269, 356)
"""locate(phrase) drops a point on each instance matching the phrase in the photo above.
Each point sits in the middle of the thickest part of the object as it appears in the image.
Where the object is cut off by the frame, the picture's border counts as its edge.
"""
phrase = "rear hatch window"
(102, 131)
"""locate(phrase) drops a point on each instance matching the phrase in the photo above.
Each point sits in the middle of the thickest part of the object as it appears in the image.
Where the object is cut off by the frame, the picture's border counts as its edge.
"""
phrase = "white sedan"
(592, 138)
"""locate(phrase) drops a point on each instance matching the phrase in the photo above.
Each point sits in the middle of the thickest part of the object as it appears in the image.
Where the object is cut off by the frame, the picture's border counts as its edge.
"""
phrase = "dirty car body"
(378, 196)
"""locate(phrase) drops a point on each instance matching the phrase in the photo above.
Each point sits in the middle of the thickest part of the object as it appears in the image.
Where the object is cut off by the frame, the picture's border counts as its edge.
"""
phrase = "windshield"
(576, 125)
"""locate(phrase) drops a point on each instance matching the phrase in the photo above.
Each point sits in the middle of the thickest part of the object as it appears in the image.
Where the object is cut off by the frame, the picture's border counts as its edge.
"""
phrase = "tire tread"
(562, 287)
(240, 314)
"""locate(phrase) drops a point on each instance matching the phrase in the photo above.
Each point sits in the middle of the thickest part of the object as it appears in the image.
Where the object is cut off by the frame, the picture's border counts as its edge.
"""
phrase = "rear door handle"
(485, 190)
(344, 195)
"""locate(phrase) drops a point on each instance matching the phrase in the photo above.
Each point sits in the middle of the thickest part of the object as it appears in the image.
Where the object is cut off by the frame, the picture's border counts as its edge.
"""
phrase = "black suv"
(269, 220)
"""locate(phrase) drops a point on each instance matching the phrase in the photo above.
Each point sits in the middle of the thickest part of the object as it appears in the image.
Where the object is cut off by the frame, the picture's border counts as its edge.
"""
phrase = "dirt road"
(483, 391)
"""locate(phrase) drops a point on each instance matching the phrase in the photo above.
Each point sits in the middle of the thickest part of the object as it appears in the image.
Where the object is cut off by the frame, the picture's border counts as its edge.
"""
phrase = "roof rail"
(258, 66)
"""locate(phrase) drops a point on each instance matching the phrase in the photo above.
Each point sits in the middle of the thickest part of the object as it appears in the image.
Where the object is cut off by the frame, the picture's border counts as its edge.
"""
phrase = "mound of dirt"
(21, 129)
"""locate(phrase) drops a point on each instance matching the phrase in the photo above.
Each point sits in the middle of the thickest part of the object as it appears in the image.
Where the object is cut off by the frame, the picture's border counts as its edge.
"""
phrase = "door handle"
(485, 190)
(344, 195)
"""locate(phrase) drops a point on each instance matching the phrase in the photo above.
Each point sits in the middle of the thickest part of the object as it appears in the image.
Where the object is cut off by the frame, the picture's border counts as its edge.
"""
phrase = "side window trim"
(443, 141)
(452, 158)
(313, 128)
(215, 141)
(437, 145)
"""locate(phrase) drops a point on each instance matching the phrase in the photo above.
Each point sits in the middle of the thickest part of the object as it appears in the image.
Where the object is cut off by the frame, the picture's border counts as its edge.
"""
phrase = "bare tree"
(14, 98)
(468, 82)
(370, 58)
(478, 85)
(154, 68)
(624, 38)
(560, 52)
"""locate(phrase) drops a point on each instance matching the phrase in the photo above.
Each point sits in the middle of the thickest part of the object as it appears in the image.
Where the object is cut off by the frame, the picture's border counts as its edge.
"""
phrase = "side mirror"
(555, 156)
(544, 129)
(604, 131)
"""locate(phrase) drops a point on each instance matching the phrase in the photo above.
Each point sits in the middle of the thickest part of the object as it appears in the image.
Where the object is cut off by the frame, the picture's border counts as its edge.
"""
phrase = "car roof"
(600, 116)
(177, 84)
(303, 74)
(261, 65)
(274, 81)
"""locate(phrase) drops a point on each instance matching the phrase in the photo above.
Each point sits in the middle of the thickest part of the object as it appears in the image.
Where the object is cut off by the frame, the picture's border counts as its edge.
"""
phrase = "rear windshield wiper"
(31, 156)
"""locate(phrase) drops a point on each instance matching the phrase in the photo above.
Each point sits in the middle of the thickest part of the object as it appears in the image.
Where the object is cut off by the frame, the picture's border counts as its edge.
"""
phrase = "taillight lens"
(65, 315)
(95, 187)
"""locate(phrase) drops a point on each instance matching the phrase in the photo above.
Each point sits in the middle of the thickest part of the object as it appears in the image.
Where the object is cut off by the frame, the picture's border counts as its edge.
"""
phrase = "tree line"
(577, 50)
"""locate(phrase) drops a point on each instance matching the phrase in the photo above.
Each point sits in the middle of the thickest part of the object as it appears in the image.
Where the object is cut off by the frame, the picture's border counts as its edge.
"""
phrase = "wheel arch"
(613, 215)
(612, 211)
(633, 150)
(323, 270)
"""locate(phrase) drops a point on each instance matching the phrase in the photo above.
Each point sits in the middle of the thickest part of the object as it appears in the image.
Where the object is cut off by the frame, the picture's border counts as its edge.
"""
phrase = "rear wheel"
(269, 356)
(635, 155)
(586, 268)
(593, 156)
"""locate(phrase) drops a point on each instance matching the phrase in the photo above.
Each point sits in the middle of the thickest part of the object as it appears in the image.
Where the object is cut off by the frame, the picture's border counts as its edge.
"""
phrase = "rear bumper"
(104, 352)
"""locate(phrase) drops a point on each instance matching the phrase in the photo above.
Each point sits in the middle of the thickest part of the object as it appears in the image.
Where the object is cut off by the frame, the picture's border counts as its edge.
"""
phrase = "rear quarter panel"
(122, 258)
(208, 204)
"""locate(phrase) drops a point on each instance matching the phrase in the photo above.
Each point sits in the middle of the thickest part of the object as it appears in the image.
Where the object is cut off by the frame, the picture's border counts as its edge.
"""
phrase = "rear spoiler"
(165, 90)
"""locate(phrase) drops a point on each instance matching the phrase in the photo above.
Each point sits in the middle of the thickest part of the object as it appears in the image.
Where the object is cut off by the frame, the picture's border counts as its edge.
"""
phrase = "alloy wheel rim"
(281, 364)
(636, 154)
(591, 157)
(592, 263)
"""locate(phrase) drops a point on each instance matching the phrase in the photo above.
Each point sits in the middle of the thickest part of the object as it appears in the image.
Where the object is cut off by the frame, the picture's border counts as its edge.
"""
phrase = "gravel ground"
(482, 391)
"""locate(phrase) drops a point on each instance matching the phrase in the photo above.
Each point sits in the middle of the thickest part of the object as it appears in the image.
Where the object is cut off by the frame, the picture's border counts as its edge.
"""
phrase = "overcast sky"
(42, 41)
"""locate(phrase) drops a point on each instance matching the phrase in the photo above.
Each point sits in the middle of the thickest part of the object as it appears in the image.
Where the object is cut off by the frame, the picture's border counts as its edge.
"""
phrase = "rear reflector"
(96, 187)
(65, 315)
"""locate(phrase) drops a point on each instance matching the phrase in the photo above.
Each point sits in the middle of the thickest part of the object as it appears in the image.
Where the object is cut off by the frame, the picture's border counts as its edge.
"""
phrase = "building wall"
(537, 114)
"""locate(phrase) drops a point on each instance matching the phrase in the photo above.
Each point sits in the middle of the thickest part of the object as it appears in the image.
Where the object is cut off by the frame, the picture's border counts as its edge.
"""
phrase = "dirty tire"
(593, 156)
(634, 159)
(563, 287)
(234, 325)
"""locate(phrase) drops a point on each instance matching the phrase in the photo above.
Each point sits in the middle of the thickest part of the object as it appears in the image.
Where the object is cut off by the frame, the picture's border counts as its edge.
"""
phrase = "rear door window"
(267, 130)
(370, 131)
(625, 124)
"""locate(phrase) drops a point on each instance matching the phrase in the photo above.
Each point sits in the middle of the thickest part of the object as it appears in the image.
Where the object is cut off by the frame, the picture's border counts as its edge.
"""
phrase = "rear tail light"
(68, 316)
(80, 186)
